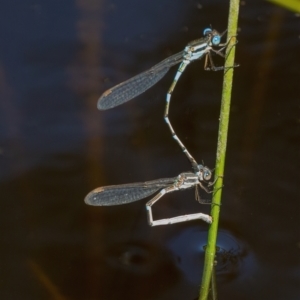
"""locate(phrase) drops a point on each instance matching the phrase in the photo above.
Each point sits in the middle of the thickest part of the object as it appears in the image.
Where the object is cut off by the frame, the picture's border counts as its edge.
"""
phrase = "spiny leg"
(198, 198)
(204, 201)
(181, 68)
(224, 45)
(215, 180)
(209, 63)
(209, 60)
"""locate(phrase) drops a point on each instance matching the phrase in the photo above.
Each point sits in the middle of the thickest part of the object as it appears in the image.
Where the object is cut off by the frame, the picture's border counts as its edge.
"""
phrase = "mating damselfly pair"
(127, 90)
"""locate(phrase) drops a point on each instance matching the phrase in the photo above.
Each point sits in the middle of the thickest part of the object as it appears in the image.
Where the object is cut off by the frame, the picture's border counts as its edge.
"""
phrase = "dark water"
(56, 58)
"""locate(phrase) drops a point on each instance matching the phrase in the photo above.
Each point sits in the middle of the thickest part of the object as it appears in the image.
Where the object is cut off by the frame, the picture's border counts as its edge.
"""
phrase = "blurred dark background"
(56, 58)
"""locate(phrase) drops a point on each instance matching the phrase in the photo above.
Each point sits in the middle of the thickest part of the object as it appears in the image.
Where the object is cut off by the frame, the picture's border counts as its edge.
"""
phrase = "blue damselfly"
(127, 90)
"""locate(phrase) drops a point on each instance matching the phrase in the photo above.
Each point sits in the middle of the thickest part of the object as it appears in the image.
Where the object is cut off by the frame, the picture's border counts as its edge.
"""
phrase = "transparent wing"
(138, 84)
(126, 193)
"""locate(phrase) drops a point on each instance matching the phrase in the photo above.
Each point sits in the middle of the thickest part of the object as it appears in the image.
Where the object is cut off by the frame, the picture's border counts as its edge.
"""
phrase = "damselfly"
(127, 90)
(126, 193)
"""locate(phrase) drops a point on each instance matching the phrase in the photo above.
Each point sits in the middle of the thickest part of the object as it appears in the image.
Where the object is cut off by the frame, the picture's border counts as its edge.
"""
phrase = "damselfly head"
(215, 36)
(204, 173)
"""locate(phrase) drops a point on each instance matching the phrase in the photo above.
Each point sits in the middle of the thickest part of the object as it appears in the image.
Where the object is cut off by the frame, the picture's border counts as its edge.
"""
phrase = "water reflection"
(233, 258)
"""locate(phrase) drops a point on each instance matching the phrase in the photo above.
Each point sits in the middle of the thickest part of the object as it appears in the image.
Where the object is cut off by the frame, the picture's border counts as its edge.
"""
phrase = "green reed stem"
(221, 151)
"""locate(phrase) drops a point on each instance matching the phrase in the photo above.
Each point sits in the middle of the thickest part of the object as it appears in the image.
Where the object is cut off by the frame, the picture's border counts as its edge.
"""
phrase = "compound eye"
(207, 31)
(216, 40)
(207, 174)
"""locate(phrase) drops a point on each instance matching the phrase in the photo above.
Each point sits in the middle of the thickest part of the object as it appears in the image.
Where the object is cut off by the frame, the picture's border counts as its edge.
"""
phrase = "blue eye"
(216, 40)
(206, 31)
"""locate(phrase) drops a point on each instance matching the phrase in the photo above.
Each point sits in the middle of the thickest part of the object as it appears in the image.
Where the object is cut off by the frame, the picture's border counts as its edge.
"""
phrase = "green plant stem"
(221, 151)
